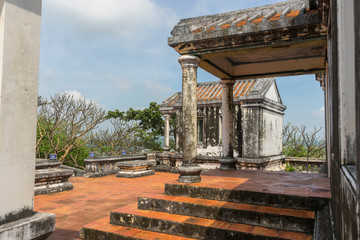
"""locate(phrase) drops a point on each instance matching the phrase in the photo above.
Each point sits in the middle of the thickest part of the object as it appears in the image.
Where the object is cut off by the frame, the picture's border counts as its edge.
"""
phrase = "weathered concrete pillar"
(227, 161)
(189, 170)
(19, 68)
(167, 134)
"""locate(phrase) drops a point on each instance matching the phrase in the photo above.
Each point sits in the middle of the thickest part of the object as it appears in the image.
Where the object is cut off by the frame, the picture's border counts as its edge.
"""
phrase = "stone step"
(102, 230)
(273, 217)
(194, 227)
(302, 202)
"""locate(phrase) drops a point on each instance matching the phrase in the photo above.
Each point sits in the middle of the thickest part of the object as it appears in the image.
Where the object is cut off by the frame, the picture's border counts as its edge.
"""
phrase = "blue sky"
(115, 52)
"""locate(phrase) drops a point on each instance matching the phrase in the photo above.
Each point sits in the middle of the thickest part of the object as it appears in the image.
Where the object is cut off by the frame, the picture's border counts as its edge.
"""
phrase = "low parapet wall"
(302, 164)
(168, 162)
(50, 178)
(102, 166)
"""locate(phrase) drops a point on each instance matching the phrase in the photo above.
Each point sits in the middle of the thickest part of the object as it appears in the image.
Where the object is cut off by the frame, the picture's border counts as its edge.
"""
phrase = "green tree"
(298, 142)
(65, 127)
(150, 124)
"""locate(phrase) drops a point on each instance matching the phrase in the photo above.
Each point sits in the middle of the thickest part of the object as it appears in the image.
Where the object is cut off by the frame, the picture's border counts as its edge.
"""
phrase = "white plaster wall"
(346, 51)
(209, 151)
(251, 125)
(271, 133)
(19, 64)
(272, 93)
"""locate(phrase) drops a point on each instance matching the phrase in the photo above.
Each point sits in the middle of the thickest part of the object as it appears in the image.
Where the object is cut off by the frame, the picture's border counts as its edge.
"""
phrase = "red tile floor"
(94, 198)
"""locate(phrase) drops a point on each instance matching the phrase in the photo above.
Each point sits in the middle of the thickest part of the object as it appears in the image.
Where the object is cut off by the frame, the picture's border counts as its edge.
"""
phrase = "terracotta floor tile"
(241, 228)
(220, 224)
(265, 231)
(199, 221)
(299, 213)
(293, 235)
(94, 198)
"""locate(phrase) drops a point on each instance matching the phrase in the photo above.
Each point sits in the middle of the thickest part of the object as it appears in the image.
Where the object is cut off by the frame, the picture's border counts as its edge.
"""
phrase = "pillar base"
(166, 149)
(228, 163)
(189, 173)
(38, 226)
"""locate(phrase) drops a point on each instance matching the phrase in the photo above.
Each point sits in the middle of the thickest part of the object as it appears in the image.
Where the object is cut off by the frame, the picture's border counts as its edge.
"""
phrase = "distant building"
(258, 118)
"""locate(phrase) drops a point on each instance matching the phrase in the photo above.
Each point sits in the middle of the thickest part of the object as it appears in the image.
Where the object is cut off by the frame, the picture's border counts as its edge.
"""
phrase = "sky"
(115, 52)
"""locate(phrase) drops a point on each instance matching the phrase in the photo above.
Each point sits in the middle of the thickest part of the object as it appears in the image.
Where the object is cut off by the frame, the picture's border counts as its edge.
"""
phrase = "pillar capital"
(166, 116)
(189, 61)
(321, 78)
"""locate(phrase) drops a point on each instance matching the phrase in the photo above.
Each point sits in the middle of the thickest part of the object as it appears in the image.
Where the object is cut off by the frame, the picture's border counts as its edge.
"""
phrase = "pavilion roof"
(281, 39)
(209, 93)
(253, 20)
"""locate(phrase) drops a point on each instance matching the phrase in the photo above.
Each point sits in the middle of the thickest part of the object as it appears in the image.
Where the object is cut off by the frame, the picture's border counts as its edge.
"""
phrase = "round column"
(189, 170)
(227, 161)
(167, 135)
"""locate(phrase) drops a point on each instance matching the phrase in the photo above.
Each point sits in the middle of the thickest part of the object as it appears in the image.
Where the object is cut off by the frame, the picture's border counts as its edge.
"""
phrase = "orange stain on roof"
(227, 25)
(244, 90)
(258, 20)
(201, 92)
(212, 28)
(252, 84)
(275, 17)
(236, 94)
(293, 14)
(212, 94)
(218, 95)
(170, 104)
(196, 30)
(241, 23)
(207, 93)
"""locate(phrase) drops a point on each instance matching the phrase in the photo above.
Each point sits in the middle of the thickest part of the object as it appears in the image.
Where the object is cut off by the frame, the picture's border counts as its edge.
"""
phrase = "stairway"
(190, 211)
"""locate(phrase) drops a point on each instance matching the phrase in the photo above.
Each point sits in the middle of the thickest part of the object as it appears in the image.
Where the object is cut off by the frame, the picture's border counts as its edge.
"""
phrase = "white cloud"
(157, 87)
(129, 19)
(75, 94)
(319, 112)
(78, 96)
(119, 82)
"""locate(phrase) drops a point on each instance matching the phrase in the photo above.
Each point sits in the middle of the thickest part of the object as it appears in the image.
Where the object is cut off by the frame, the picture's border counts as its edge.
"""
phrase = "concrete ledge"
(136, 163)
(38, 226)
(53, 188)
(52, 180)
(46, 163)
(125, 174)
(115, 158)
(52, 173)
(77, 172)
(169, 162)
(137, 168)
(102, 166)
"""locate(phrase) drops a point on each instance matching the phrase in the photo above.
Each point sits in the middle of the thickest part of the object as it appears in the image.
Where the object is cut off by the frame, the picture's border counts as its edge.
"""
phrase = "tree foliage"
(122, 136)
(298, 142)
(150, 124)
(65, 126)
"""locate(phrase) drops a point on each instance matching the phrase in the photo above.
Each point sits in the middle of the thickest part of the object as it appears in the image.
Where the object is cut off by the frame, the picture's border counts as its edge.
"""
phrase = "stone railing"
(77, 172)
(300, 164)
(50, 178)
(168, 162)
(102, 166)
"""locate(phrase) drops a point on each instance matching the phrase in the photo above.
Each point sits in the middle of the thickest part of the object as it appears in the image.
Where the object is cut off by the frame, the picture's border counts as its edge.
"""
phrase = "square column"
(227, 161)
(20, 23)
(167, 133)
(189, 170)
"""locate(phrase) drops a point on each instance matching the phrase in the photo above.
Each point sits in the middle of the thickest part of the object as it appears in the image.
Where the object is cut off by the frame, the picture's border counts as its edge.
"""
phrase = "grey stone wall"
(257, 130)
(211, 121)
(341, 120)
